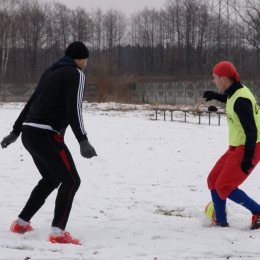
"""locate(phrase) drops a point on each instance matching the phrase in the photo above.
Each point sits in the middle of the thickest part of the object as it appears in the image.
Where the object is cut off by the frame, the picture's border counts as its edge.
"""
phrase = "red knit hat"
(226, 69)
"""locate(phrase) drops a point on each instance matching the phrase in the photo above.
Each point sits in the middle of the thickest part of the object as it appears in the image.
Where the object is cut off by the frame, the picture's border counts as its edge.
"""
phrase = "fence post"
(4, 92)
(174, 92)
(196, 92)
(185, 92)
(147, 101)
(165, 93)
(138, 93)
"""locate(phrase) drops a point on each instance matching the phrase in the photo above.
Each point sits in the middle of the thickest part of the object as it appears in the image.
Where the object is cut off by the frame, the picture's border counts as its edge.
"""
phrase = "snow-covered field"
(143, 197)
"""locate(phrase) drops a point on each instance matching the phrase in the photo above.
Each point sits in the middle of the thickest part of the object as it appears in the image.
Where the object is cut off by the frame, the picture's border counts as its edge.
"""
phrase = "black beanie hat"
(77, 50)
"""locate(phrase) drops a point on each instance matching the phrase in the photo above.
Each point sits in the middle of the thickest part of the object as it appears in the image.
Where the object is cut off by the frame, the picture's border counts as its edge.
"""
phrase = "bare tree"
(58, 29)
(81, 25)
(174, 41)
(96, 30)
(7, 10)
(203, 21)
(147, 37)
(249, 13)
(114, 24)
(32, 20)
(114, 27)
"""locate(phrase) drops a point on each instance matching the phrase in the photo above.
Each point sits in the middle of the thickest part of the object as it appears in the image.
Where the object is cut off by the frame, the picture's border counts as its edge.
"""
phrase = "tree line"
(179, 41)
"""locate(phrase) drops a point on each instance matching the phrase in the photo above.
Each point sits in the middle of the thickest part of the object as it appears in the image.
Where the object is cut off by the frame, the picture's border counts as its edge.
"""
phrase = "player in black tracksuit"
(55, 104)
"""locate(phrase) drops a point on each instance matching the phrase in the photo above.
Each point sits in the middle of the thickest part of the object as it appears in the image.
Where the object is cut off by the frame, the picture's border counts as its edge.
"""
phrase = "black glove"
(209, 95)
(11, 138)
(86, 149)
(246, 164)
(212, 109)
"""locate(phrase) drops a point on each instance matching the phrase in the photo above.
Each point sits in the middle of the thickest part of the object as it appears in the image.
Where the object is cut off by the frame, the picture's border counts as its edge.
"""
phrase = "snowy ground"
(143, 197)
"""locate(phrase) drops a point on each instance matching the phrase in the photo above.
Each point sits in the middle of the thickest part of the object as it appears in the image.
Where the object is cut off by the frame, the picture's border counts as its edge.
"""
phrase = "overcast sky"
(127, 6)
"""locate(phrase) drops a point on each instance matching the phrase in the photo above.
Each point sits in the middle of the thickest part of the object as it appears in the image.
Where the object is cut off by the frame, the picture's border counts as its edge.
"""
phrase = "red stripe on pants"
(65, 159)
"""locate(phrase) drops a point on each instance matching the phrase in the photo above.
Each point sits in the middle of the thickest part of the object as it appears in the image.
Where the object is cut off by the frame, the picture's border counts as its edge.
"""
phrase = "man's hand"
(209, 95)
(212, 109)
(246, 164)
(86, 149)
(11, 138)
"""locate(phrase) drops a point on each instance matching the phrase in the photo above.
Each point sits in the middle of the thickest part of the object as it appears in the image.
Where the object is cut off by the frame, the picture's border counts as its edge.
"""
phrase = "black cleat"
(217, 224)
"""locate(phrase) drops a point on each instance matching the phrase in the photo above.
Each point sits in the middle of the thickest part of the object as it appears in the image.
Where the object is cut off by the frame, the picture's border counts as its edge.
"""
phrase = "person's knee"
(222, 191)
(57, 184)
(222, 194)
(77, 183)
(50, 182)
(72, 182)
(211, 183)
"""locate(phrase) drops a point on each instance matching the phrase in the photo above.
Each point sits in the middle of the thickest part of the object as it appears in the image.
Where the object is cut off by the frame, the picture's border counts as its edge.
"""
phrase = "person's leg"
(32, 142)
(231, 175)
(220, 208)
(40, 192)
(240, 197)
(70, 182)
(219, 204)
(216, 170)
(50, 150)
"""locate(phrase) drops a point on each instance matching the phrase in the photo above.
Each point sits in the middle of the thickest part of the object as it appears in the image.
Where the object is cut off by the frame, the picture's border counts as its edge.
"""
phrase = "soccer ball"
(210, 212)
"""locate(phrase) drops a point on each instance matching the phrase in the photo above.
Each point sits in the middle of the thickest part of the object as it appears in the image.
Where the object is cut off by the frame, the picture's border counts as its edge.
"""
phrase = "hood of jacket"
(64, 61)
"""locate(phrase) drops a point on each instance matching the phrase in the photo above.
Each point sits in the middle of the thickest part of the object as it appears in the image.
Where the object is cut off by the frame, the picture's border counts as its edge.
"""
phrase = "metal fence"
(22, 92)
(16, 92)
(172, 93)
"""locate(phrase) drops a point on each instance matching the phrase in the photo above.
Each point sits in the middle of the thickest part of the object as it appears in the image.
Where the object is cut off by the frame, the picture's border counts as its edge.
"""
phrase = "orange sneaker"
(255, 221)
(16, 228)
(64, 238)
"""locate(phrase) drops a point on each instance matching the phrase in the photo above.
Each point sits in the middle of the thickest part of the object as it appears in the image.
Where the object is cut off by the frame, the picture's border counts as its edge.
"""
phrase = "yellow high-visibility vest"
(236, 132)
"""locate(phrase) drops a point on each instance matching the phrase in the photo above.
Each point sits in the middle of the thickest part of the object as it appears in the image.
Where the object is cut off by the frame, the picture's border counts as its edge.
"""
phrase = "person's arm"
(74, 93)
(209, 95)
(243, 108)
(17, 127)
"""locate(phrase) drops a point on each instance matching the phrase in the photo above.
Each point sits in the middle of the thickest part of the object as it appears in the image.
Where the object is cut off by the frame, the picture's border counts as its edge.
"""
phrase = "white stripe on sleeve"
(80, 100)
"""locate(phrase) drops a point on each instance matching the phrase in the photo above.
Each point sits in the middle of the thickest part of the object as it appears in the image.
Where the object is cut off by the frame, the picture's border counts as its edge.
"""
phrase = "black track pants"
(57, 168)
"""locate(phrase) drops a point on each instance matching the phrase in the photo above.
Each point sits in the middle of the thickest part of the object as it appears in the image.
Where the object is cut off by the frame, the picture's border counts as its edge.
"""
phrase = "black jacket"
(57, 100)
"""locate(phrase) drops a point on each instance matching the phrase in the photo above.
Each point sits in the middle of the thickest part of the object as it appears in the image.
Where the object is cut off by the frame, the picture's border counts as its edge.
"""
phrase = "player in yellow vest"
(243, 154)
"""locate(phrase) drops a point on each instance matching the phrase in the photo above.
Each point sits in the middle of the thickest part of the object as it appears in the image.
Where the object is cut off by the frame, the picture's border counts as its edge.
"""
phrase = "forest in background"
(181, 41)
